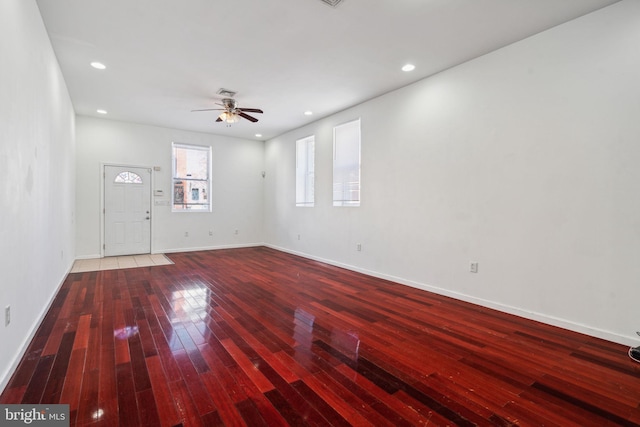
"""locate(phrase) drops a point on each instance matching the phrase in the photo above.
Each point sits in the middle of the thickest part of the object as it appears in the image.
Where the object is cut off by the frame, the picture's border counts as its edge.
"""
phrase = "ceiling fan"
(231, 113)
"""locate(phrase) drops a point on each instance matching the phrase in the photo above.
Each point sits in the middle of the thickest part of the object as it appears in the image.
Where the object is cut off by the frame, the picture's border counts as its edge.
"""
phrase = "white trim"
(178, 250)
(347, 203)
(212, 248)
(151, 204)
(629, 340)
(94, 256)
(26, 342)
(209, 150)
(550, 320)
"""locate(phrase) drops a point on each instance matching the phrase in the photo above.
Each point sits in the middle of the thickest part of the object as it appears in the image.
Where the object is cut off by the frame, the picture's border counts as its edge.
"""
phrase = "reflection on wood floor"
(259, 337)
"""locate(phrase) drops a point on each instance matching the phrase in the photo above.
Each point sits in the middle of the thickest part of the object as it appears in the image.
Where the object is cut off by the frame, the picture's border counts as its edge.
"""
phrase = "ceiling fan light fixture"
(229, 117)
(231, 113)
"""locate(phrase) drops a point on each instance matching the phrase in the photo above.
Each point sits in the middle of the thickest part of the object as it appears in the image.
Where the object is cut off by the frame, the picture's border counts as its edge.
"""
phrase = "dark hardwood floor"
(261, 338)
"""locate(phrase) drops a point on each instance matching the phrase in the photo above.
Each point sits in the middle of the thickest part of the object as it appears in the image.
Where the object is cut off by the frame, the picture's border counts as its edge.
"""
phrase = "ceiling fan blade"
(218, 119)
(251, 110)
(248, 117)
(209, 109)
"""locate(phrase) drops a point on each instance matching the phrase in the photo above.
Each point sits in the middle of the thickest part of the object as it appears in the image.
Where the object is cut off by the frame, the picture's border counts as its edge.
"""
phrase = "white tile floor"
(112, 263)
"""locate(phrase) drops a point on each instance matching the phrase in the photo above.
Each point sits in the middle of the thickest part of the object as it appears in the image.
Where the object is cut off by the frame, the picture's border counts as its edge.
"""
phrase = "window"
(191, 178)
(128, 178)
(346, 164)
(305, 175)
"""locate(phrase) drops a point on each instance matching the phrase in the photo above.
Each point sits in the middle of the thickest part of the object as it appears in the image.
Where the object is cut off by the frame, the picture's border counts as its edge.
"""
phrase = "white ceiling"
(165, 58)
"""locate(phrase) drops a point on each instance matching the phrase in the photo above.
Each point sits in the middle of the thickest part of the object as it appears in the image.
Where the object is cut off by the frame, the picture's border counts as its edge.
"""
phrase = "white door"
(127, 210)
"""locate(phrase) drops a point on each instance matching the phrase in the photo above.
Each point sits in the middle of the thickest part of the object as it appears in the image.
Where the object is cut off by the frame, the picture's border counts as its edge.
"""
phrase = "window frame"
(186, 206)
(347, 202)
(119, 179)
(305, 176)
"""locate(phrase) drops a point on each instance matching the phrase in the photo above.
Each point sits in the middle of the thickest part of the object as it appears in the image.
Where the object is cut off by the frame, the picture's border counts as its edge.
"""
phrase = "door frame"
(102, 204)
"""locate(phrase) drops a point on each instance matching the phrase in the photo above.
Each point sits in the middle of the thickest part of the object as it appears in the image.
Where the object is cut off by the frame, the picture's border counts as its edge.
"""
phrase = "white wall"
(37, 177)
(237, 186)
(524, 160)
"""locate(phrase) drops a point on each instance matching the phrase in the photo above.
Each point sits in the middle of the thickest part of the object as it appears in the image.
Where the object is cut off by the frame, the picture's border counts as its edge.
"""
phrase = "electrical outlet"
(210, 232)
(359, 247)
(7, 315)
(473, 267)
(186, 234)
(298, 237)
(235, 232)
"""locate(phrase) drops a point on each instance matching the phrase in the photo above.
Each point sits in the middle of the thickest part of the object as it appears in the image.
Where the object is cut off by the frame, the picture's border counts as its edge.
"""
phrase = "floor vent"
(332, 3)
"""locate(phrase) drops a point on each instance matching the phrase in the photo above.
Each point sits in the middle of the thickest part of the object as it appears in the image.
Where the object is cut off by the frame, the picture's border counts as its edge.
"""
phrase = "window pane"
(346, 164)
(190, 194)
(191, 163)
(191, 183)
(305, 175)
(128, 178)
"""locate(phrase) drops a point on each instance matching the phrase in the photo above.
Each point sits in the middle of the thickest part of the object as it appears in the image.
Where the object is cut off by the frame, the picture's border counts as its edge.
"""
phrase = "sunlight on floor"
(113, 263)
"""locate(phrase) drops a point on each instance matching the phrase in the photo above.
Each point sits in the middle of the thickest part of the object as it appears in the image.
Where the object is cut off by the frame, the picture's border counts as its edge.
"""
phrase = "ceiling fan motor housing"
(229, 103)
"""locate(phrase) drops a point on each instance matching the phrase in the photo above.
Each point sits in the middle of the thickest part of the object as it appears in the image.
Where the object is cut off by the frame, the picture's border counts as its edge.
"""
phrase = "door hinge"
(104, 246)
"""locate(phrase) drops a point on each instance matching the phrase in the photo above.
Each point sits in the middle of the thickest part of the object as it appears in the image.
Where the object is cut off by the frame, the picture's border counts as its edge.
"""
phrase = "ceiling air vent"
(226, 93)
(332, 3)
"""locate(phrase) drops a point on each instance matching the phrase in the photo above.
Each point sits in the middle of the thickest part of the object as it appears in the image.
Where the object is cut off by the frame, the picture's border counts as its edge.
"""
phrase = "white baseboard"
(24, 345)
(629, 340)
(210, 248)
(192, 249)
(95, 256)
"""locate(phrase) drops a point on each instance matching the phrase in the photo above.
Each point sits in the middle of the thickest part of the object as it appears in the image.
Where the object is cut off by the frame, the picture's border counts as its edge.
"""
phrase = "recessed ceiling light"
(308, 113)
(258, 135)
(101, 111)
(408, 67)
(98, 65)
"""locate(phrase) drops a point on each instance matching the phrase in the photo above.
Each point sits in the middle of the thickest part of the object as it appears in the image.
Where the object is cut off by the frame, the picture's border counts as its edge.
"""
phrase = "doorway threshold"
(117, 262)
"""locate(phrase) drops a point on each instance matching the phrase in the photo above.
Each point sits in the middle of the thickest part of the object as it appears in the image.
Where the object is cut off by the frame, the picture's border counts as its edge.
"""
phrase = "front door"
(127, 210)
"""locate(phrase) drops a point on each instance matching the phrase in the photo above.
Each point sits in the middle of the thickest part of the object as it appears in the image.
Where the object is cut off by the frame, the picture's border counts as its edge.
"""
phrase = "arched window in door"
(128, 178)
